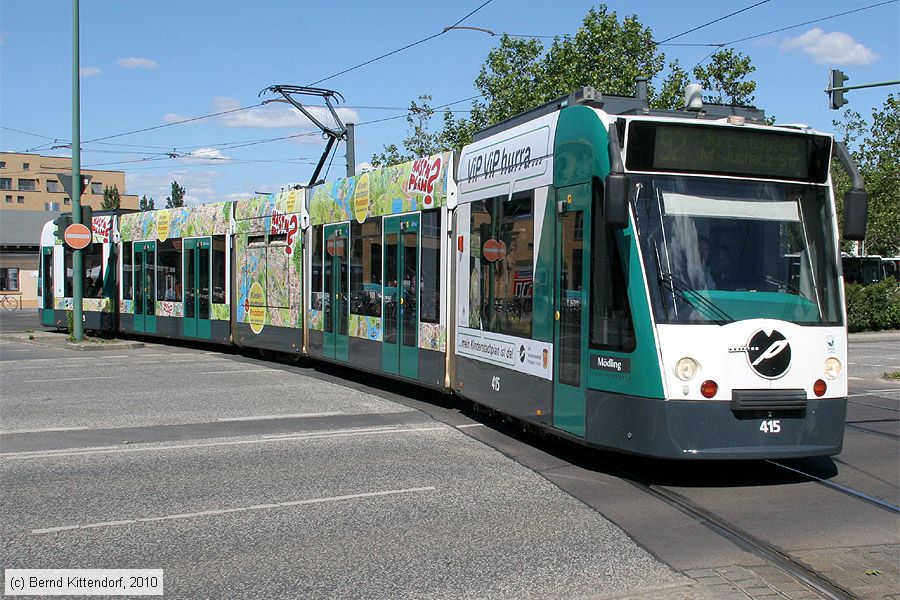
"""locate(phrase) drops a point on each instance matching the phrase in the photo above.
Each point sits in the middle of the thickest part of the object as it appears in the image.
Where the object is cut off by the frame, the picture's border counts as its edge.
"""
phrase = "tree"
(146, 203)
(111, 198)
(419, 142)
(875, 147)
(604, 53)
(176, 199)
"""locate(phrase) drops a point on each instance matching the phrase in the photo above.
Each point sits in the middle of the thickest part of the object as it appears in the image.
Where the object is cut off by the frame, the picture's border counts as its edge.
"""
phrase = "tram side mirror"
(615, 200)
(856, 213)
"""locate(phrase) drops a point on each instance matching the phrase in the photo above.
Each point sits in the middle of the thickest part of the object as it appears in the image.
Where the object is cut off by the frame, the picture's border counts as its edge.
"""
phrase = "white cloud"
(835, 48)
(88, 71)
(278, 115)
(364, 167)
(137, 63)
(209, 154)
(174, 117)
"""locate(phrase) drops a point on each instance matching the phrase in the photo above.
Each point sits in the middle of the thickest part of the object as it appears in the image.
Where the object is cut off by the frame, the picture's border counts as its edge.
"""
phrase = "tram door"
(335, 343)
(48, 306)
(401, 296)
(196, 287)
(145, 287)
(571, 315)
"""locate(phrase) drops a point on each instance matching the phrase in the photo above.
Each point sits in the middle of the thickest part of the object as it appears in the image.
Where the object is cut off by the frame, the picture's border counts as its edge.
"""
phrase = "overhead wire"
(406, 47)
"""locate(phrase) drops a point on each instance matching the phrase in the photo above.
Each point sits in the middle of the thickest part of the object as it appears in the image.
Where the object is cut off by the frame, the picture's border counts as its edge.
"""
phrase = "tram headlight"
(686, 368)
(832, 368)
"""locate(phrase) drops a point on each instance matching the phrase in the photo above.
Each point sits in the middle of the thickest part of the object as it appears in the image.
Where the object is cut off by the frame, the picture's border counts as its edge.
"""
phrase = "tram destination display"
(719, 150)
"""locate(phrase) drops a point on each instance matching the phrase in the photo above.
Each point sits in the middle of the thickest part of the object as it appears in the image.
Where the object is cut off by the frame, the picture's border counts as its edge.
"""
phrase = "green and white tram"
(662, 283)
(676, 295)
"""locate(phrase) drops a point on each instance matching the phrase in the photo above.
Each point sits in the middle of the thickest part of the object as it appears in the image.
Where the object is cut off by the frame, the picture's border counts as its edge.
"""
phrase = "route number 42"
(770, 426)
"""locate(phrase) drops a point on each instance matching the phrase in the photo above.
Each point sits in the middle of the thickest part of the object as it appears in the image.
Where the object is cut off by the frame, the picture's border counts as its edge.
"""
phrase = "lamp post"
(78, 255)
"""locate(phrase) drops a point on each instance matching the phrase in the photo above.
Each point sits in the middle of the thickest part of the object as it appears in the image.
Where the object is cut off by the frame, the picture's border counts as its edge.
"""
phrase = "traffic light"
(87, 213)
(60, 224)
(838, 79)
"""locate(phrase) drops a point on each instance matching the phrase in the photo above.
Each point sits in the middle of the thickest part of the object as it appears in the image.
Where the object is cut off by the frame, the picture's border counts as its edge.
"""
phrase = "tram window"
(67, 262)
(611, 324)
(502, 264)
(430, 295)
(127, 272)
(93, 272)
(168, 271)
(277, 238)
(317, 301)
(218, 269)
(256, 240)
(365, 268)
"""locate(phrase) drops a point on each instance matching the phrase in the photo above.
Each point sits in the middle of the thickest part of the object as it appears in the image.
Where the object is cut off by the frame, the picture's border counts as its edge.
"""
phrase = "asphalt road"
(241, 478)
(246, 478)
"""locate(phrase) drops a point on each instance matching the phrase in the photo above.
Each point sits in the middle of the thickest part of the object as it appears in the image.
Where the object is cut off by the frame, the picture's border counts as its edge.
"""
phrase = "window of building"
(9, 279)
(365, 267)
(430, 294)
(5, 183)
(611, 324)
(54, 185)
(28, 185)
(8, 199)
(501, 264)
(66, 201)
(2, 164)
(168, 270)
(20, 199)
(97, 188)
(26, 166)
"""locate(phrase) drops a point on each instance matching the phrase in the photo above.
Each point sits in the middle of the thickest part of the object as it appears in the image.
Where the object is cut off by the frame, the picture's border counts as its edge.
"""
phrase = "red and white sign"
(287, 224)
(425, 171)
(102, 227)
(77, 236)
(493, 250)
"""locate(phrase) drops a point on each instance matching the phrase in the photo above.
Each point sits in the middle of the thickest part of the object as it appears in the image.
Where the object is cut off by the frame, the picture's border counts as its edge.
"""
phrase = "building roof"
(23, 227)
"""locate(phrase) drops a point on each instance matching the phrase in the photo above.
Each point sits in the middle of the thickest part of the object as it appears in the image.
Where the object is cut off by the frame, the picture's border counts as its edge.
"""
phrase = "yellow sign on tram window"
(256, 309)
(361, 198)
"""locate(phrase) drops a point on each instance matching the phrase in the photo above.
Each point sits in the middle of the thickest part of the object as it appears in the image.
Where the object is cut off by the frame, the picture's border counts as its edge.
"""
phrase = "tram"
(661, 283)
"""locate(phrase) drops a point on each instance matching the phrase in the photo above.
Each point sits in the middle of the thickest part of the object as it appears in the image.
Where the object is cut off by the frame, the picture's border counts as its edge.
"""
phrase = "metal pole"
(863, 85)
(351, 151)
(78, 255)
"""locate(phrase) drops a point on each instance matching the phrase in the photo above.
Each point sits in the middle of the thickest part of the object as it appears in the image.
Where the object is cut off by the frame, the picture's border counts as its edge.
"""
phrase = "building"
(31, 194)
(31, 182)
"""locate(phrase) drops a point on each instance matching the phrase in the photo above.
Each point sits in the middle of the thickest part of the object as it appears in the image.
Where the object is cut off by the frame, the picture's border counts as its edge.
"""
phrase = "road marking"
(226, 511)
(470, 425)
(295, 416)
(45, 430)
(120, 450)
(45, 380)
(352, 430)
(236, 371)
(857, 378)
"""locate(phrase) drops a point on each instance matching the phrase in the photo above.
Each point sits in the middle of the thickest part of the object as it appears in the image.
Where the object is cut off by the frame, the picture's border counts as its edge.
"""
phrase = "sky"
(148, 65)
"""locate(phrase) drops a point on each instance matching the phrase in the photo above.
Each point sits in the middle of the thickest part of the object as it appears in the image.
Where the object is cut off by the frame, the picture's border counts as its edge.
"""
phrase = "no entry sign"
(77, 236)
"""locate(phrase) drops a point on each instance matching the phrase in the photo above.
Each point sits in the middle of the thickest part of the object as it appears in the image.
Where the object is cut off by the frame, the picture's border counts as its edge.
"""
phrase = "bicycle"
(10, 302)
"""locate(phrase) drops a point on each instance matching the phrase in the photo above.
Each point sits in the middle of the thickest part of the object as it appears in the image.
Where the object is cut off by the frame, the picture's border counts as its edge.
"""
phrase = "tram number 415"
(770, 426)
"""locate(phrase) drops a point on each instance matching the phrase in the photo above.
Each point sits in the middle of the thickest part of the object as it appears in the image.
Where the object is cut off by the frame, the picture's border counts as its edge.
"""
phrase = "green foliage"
(604, 53)
(146, 203)
(875, 147)
(111, 198)
(873, 307)
(176, 199)
(419, 142)
(70, 324)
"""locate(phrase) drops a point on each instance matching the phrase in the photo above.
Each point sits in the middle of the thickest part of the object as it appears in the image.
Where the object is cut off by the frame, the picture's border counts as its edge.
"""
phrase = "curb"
(875, 336)
(67, 345)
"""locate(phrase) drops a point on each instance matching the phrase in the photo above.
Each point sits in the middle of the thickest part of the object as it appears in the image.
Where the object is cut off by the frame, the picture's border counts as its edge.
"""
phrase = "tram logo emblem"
(769, 354)
(522, 353)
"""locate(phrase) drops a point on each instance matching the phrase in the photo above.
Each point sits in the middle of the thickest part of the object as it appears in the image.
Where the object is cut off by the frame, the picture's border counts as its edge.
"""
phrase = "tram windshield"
(723, 250)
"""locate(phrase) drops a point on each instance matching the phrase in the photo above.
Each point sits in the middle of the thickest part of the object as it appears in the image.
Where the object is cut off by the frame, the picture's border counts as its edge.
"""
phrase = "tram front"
(738, 238)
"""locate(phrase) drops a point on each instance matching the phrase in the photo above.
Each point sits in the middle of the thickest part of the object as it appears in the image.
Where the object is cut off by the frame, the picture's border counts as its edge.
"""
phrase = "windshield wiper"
(788, 286)
(695, 299)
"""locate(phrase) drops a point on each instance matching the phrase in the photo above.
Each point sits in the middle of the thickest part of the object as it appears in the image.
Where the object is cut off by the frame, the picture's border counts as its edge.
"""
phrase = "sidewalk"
(875, 336)
(61, 340)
